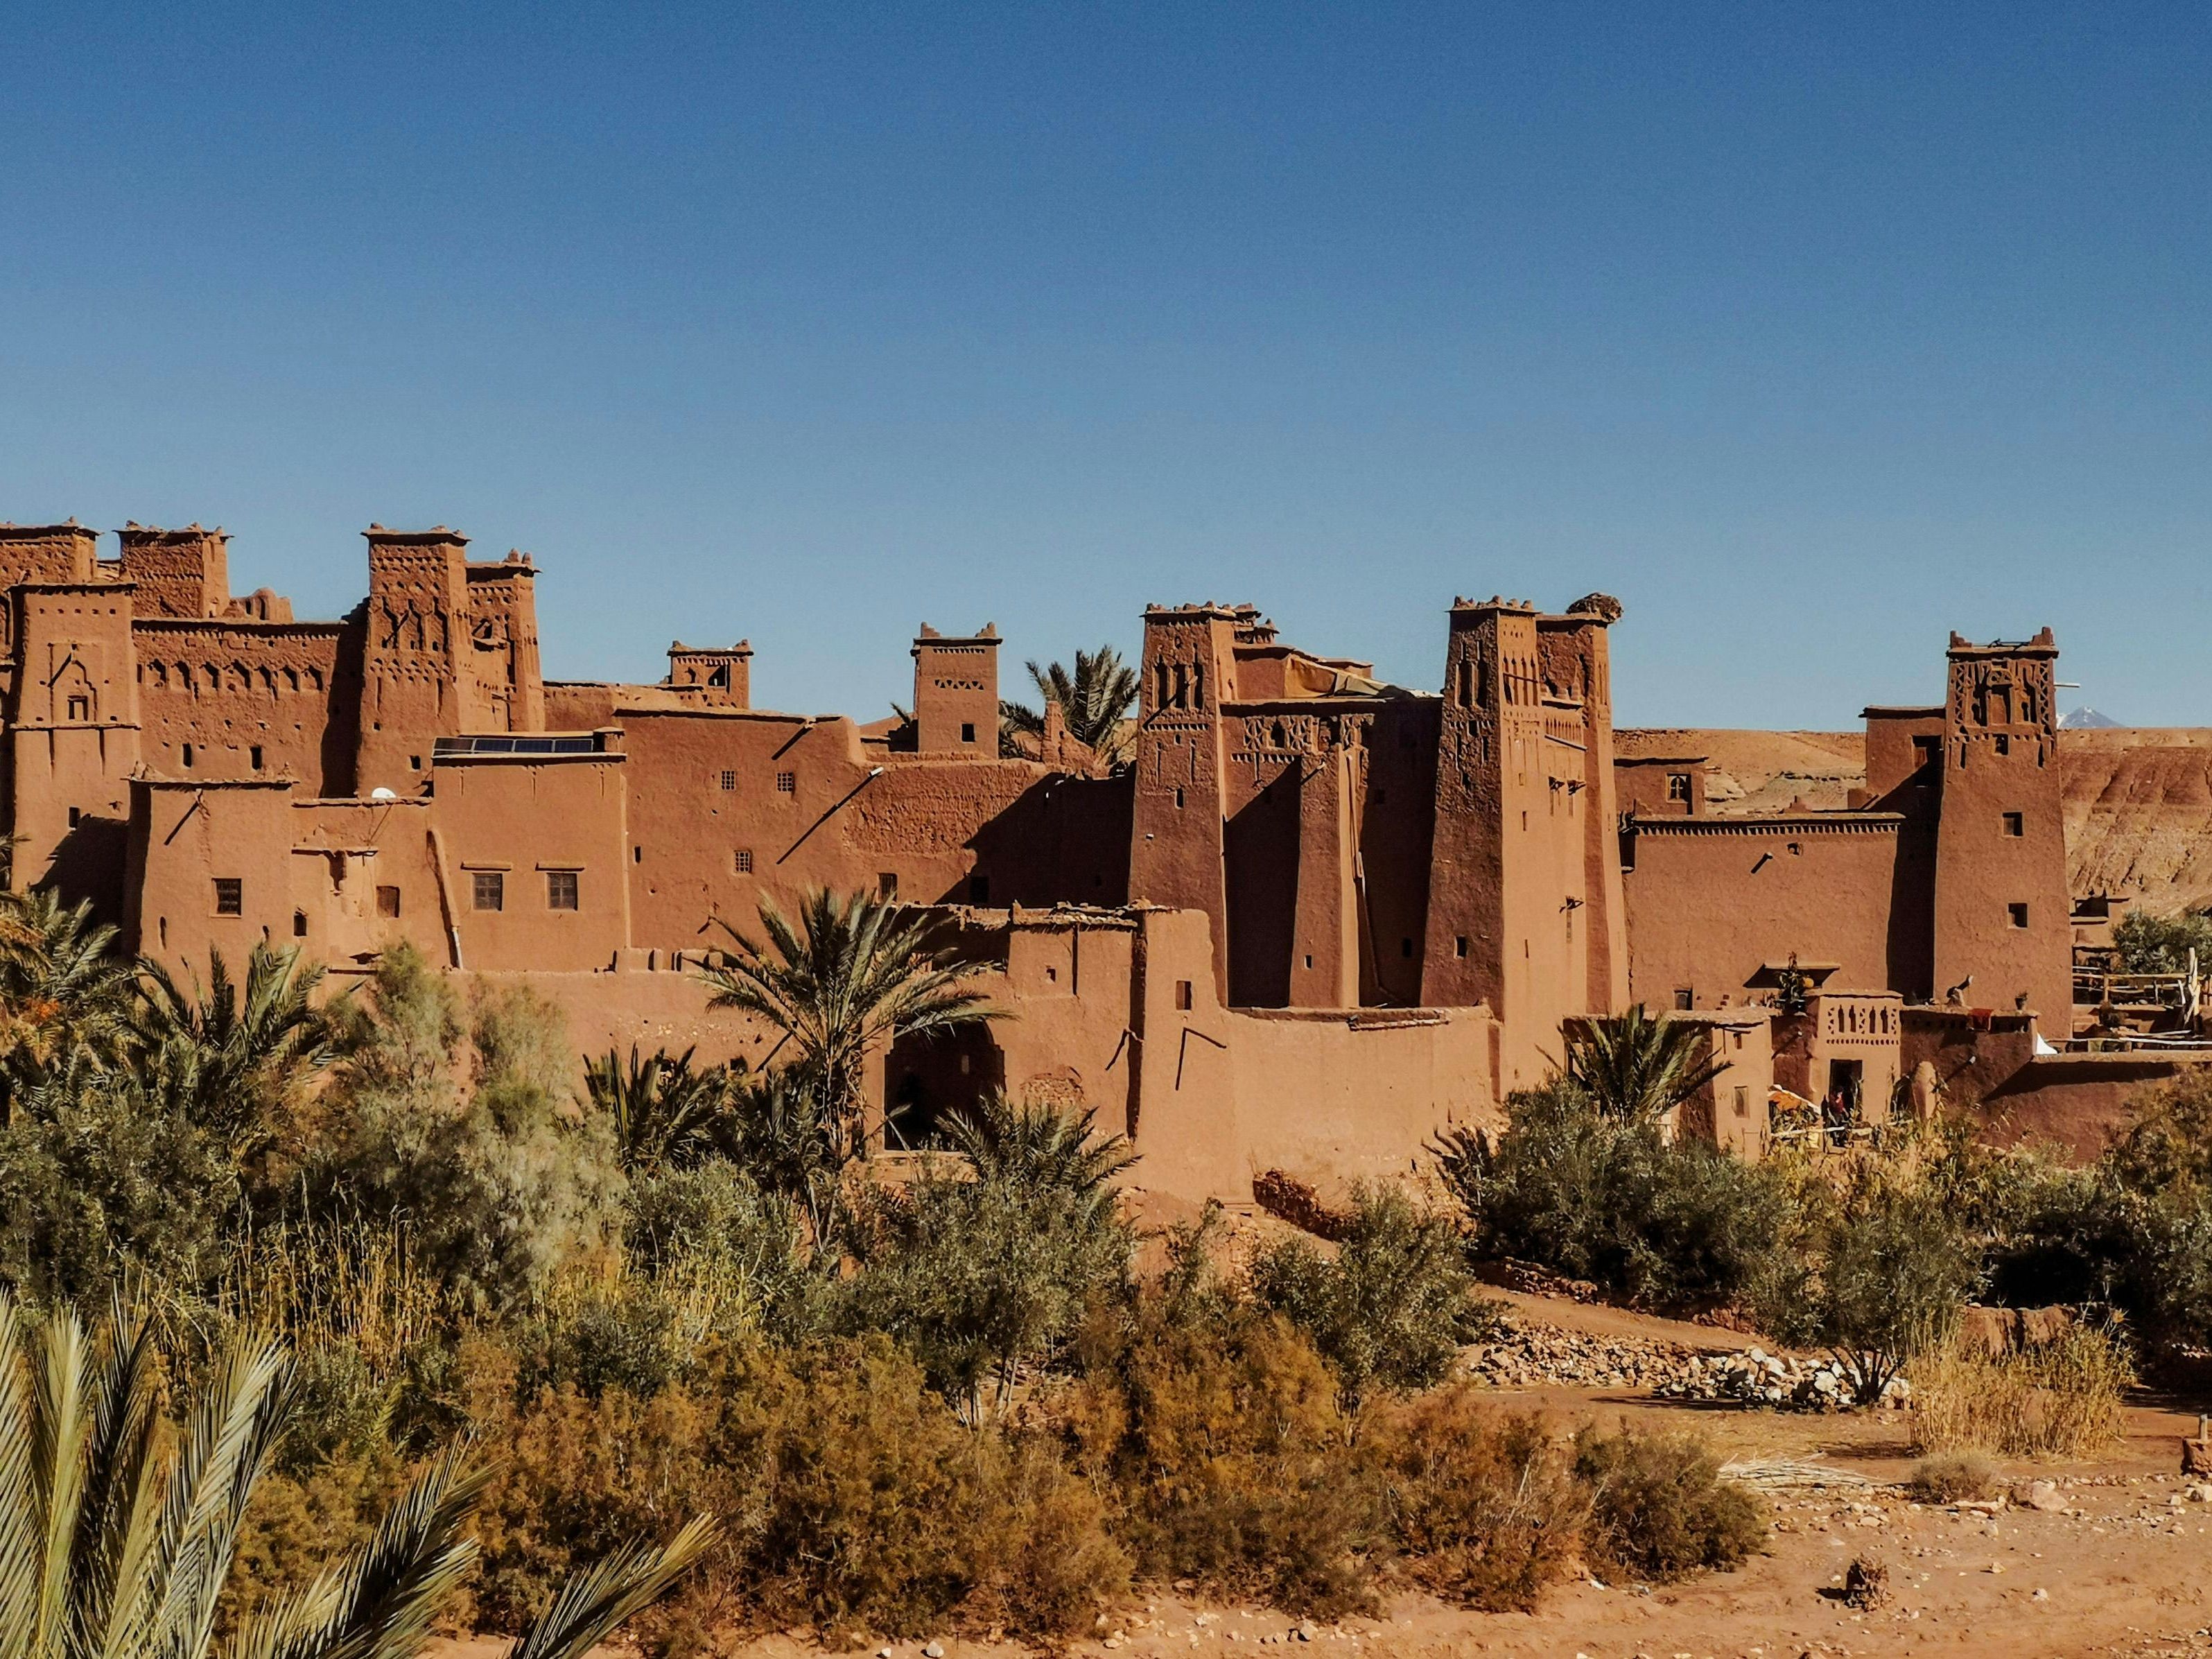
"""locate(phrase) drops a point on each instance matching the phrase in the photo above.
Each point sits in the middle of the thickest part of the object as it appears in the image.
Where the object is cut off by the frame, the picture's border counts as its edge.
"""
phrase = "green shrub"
(1391, 1307)
(979, 1271)
(1664, 1222)
(475, 1134)
(1889, 1272)
(2160, 944)
(1951, 1476)
(1659, 1509)
(1481, 1502)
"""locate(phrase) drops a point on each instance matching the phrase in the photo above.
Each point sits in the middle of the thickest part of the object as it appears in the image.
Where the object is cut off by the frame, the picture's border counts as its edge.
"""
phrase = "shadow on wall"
(1064, 841)
(88, 864)
(929, 1076)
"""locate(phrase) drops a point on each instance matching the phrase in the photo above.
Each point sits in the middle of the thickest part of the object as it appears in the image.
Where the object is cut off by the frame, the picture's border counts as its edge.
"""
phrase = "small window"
(387, 904)
(1182, 994)
(979, 890)
(1926, 751)
(1742, 1101)
(80, 708)
(229, 897)
(1405, 948)
(887, 884)
(2015, 825)
(414, 763)
(2018, 915)
(186, 756)
(1178, 798)
(253, 755)
(488, 889)
(786, 783)
(637, 855)
(76, 815)
(299, 924)
(729, 778)
(966, 731)
(1685, 997)
(1308, 958)
(1677, 785)
(2003, 745)
(560, 889)
(744, 860)
(1459, 945)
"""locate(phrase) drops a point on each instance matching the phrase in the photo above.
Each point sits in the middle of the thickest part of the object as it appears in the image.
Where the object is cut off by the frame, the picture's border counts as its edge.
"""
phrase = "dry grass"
(2064, 1398)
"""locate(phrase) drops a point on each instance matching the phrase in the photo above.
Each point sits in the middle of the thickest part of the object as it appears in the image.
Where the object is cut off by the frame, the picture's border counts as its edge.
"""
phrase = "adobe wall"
(228, 689)
(1730, 1111)
(539, 831)
(2076, 1102)
(1713, 902)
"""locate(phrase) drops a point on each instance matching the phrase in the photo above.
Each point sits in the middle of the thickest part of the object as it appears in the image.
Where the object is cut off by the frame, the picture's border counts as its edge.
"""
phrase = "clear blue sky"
(1810, 331)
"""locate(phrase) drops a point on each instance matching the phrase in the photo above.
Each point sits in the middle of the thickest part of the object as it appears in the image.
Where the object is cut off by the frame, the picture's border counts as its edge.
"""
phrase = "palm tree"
(232, 1055)
(1638, 1068)
(63, 986)
(852, 974)
(117, 1534)
(1040, 1147)
(666, 1115)
(1095, 701)
(779, 1132)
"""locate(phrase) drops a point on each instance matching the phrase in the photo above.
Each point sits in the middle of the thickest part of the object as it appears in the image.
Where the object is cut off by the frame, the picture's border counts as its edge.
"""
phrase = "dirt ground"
(2124, 1569)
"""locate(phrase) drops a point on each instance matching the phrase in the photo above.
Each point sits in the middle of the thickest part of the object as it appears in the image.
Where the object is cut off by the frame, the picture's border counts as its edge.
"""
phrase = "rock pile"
(1755, 1377)
(1527, 1356)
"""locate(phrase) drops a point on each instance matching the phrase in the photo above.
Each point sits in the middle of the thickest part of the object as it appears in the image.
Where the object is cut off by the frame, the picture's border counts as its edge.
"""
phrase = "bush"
(1659, 1509)
(2065, 1398)
(854, 1499)
(1890, 1271)
(1953, 1477)
(2160, 944)
(1665, 1223)
(1391, 1309)
(1220, 1440)
(983, 1270)
(479, 1139)
(1482, 1503)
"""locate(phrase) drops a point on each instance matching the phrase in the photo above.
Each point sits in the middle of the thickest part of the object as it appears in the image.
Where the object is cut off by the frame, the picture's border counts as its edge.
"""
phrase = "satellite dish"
(382, 794)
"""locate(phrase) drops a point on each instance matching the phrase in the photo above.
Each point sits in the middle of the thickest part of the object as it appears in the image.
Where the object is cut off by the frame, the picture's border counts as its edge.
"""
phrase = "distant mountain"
(2086, 719)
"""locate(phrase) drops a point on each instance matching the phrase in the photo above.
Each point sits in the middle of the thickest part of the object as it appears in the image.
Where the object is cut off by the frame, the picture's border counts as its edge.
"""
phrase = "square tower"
(720, 677)
(2002, 935)
(955, 693)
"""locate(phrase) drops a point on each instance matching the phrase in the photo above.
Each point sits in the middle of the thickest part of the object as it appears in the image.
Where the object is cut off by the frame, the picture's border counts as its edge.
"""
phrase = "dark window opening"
(2003, 745)
(637, 855)
(1405, 947)
(1308, 958)
(414, 763)
(2018, 914)
(80, 708)
(1182, 994)
(1178, 798)
(76, 815)
(187, 757)
(1926, 751)
(488, 889)
(2015, 825)
(229, 896)
(887, 884)
(1677, 785)
(966, 731)
(1459, 945)
(253, 755)
(1685, 997)
(299, 924)
(560, 889)
(388, 902)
